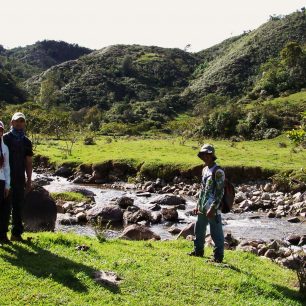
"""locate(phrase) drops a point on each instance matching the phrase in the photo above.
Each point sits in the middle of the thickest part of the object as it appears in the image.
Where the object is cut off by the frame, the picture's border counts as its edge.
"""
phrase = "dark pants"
(13, 203)
(216, 233)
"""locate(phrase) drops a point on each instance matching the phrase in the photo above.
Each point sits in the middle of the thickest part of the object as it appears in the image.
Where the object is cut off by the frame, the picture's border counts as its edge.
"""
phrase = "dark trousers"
(15, 204)
(216, 232)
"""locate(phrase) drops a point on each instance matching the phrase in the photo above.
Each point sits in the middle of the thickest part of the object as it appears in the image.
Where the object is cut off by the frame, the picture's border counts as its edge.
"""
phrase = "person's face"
(207, 158)
(1, 131)
(18, 124)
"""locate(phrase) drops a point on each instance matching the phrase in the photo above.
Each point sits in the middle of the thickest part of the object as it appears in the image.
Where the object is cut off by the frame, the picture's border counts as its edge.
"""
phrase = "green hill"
(24, 62)
(9, 90)
(232, 67)
(113, 74)
(149, 85)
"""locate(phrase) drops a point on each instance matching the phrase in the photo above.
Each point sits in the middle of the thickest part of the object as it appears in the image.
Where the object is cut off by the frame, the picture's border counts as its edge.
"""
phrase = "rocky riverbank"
(165, 203)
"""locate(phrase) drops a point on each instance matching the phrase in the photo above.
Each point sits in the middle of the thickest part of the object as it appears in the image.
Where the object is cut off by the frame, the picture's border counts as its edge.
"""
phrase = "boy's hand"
(196, 211)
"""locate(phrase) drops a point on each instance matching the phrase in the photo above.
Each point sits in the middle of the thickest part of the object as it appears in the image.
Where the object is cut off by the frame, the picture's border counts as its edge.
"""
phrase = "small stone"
(271, 254)
(262, 251)
(271, 214)
(143, 194)
(82, 247)
(302, 241)
(68, 205)
(174, 230)
(279, 202)
(268, 187)
(107, 278)
(294, 220)
(265, 196)
(81, 216)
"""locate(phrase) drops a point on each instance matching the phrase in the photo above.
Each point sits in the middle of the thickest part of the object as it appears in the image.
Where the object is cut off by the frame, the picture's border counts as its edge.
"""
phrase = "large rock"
(168, 199)
(85, 192)
(169, 214)
(107, 213)
(39, 212)
(156, 217)
(186, 231)
(63, 171)
(174, 230)
(43, 181)
(294, 239)
(138, 232)
(292, 262)
(230, 242)
(270, 253)
(294, 220)
(124, 202)
(138, 216)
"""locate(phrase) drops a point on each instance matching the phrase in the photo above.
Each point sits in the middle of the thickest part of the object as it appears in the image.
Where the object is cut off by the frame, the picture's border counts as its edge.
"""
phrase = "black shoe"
(196, 254)
(17, 238)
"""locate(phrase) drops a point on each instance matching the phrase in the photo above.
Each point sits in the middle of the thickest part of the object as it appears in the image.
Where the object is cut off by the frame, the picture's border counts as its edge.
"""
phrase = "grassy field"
(265, 153)
(50, 271)
(297, 100)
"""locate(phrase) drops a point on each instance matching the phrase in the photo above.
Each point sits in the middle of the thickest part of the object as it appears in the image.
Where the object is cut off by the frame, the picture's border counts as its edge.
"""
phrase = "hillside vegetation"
(24, 62)
(234, 70)
(223, 91)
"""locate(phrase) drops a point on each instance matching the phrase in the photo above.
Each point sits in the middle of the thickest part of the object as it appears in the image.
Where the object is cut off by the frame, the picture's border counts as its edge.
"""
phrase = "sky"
(165, 23)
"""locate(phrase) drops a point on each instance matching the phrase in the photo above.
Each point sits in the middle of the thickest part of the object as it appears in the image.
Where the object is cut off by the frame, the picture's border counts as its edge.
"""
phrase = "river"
(243, 226)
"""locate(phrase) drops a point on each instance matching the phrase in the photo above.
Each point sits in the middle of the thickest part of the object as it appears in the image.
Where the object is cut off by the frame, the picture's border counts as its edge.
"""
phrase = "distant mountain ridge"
(113, 74)
(60, 73)
(24, 62)
(233, 69)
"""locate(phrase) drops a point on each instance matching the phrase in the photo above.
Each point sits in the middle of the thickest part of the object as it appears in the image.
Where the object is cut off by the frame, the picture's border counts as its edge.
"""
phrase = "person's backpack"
(229, 193)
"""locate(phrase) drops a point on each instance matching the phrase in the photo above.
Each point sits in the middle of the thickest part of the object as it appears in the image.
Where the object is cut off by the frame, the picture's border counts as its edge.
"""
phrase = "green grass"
(50, 271)
(264, 153)
(148, 57)
(69, 196)
(297, 100)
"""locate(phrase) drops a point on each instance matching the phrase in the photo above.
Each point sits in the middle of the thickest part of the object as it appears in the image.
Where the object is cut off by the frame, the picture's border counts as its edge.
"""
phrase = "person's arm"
(7, 171)
(29, 164)
(219, 191)
(29, 170)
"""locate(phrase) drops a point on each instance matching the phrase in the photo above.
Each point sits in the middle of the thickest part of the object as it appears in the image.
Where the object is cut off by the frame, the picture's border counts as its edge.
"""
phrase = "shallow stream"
(243, 226)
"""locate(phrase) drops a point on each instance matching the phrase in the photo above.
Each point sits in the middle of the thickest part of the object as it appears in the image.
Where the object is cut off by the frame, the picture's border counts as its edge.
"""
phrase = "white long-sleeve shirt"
(5, 171)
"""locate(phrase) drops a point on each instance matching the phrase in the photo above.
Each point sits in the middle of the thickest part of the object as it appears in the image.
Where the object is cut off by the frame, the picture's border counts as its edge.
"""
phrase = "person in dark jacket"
(20, 156)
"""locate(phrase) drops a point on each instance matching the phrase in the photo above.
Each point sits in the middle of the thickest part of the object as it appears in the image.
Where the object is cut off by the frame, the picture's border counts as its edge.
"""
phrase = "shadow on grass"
(278, 290)
(45, 264)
